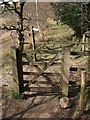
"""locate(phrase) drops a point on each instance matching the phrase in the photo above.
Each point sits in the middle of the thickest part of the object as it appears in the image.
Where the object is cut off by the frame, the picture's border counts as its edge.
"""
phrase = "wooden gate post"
(33, 43)
(84, 42)
(82, 92)
(20, 70)
(88, 53)
(17, 69)
(65, 67)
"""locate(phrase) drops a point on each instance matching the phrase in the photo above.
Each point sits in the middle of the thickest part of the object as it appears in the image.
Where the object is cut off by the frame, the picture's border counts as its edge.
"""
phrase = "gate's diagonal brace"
(37, 68)
(49, 80)
(45, 67)
(28, 57)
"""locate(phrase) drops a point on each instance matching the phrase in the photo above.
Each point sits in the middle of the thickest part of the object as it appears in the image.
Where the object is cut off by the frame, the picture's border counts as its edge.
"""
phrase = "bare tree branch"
(27, 18)
(9, 27)
(26, 28)
(18, 8)
(14, 3)
(5, 10)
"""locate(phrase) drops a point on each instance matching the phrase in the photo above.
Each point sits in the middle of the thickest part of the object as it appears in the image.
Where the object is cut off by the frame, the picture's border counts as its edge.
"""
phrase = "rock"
(65, 102)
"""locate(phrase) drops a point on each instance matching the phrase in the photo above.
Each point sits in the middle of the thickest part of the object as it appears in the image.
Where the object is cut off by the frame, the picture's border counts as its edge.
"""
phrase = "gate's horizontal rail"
(54, 82)
(42, 52)
(85, 53)
(45, 73)
(42, 82)
(40, 63)
(76, 68)
(52, 74)
(42, 89)
(55, 52)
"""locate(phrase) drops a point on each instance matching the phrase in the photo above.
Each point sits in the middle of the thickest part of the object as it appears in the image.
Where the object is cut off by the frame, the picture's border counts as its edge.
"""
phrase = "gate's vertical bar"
(89, 65)
(89, 52)
(65, 67)
(83, 42)
(33, 43)
(88, 89)
(82, 92)
(20, 70)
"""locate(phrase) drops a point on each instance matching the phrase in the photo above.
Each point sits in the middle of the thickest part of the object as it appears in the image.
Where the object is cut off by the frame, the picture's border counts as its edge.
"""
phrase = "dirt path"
(37, 105)
(34, 107)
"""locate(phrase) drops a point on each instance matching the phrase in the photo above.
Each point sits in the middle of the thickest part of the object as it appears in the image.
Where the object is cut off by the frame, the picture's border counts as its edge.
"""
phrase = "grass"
(15, 95)
(54, 34)
(57, 36)
(60, 96)
(11, 94)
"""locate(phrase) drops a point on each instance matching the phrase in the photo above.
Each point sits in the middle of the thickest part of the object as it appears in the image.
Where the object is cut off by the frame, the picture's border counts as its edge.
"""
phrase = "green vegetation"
(60, 96)
(14, 95)
(76, 15)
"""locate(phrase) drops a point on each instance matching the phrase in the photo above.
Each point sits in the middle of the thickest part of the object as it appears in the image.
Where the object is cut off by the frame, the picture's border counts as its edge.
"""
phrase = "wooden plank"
(39, 51)
(76, 69)
(40, 63)
(47, 73)
(58, 42)
(79, 53)
(42, 89)
(41, 82)
(65, 66)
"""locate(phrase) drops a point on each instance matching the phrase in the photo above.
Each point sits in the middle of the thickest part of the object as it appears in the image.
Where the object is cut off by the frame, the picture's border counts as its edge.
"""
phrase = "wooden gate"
(41, 69)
